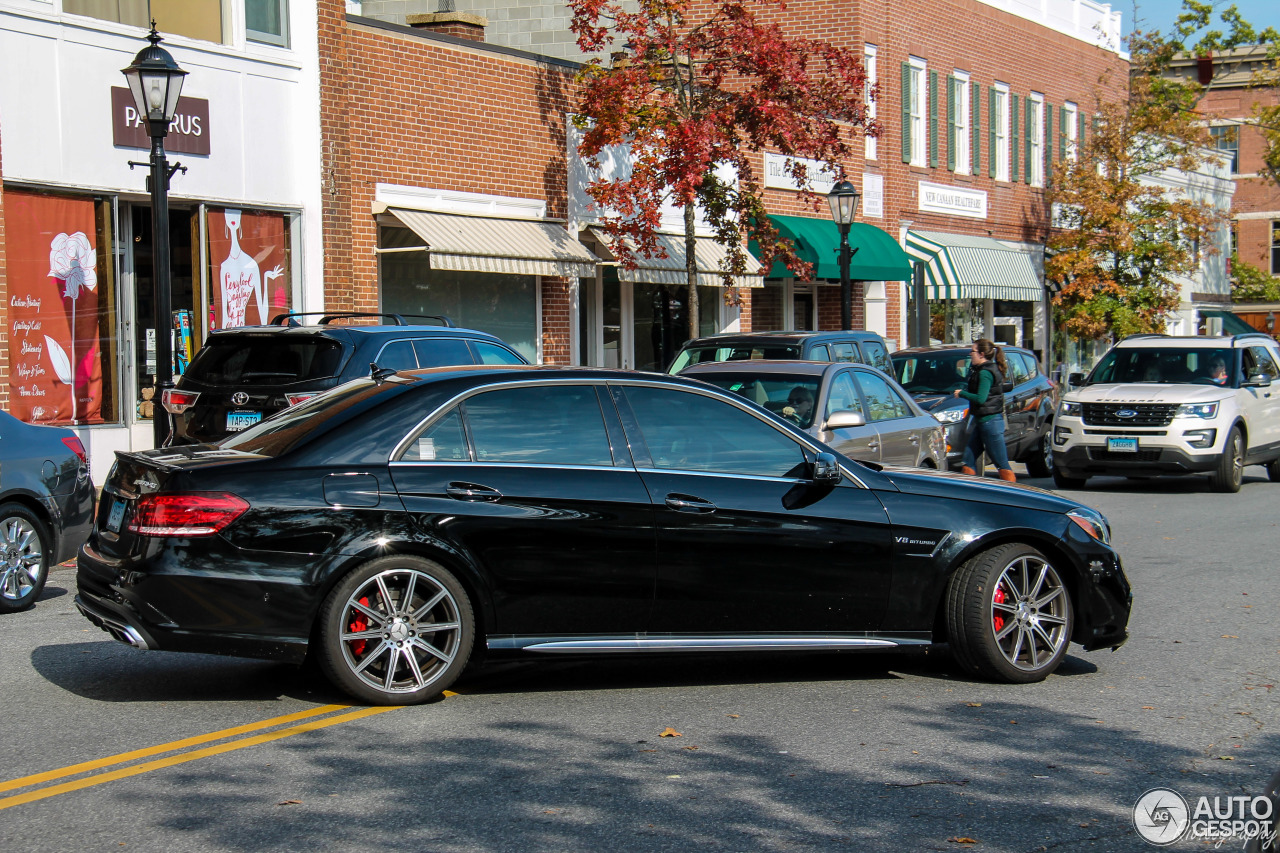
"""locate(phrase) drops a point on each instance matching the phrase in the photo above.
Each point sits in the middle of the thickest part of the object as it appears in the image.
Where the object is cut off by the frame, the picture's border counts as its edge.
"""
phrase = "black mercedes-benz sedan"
(397, 525)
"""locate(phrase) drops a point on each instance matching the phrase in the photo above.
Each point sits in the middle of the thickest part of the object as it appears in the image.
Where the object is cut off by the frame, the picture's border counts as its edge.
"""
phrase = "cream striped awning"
(710, 256)
(489, 244)
(962, 267)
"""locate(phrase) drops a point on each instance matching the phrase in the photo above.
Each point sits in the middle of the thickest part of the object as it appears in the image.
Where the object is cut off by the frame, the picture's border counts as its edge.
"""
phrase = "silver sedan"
(855, 409)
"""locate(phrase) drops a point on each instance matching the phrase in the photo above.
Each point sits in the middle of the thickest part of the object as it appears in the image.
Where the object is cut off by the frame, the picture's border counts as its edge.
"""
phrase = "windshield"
(248, 360)
(788, 396)
(932, 372)
(1167, 366)
(732, 352)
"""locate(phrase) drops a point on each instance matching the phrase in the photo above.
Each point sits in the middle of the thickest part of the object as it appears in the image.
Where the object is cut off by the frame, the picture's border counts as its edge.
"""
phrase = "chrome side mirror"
(1075, 380)
(845, 418)
(826, 469)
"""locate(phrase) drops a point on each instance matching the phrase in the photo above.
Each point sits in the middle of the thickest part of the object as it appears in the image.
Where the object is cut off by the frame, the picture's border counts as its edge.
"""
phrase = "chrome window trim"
(539, 466)
(801, 438)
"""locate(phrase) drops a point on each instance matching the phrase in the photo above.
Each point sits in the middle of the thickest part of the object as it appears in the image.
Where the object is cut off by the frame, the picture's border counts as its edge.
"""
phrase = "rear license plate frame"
(115, 518)
(1126, 444)
(242, 419)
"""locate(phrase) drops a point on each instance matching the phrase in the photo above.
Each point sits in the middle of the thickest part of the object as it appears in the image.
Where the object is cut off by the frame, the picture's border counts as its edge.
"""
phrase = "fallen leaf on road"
(670, 732)
(1230, 637)
(974, 704)
(963, 839)
(1244, 713)
(690, 748)
(1148, 707)
(549, 811)
(1083, 825)
(735, 716)
(648, 750)
(1226, 758)
(290, 803)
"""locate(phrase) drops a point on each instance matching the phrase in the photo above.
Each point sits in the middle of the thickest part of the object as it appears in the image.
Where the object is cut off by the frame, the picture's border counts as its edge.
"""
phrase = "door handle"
(688, 503)
(914, 438)
(873, 445)
(471, 492)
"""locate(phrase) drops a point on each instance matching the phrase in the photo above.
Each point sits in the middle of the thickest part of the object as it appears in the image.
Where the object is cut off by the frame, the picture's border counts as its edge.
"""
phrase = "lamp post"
(156, 82)
(844, 198)
(1271, 322)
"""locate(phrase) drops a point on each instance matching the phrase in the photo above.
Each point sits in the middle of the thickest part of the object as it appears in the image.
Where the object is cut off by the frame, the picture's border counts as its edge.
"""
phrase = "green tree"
(1250, 284)
(690, 87)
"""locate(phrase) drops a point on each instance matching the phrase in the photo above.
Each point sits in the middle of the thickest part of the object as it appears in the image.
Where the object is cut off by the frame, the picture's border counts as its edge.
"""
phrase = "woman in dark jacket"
(986, 406)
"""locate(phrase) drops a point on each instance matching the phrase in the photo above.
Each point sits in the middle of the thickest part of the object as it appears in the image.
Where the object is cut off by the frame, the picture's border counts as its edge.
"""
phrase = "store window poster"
(55, 319)
(249, 267)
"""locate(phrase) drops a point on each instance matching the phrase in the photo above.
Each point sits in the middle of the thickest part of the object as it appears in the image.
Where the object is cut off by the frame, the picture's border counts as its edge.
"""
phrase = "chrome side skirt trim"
(676, 643)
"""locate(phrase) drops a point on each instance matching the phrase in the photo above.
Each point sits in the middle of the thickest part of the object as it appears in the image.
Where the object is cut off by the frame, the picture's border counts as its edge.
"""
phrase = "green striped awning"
(962, 267)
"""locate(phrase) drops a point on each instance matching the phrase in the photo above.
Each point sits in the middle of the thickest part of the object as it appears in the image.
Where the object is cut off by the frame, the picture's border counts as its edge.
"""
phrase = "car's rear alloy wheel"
(24, 558)
(396, 631)
(1229, 474)
(1009, 615)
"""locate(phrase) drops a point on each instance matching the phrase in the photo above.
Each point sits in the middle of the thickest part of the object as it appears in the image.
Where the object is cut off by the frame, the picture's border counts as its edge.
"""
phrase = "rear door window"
(845, 352)
(819, 353)
(443, 441)
(442, 352)
(877, 355)
(883, 403)
(544, 425)
(254, 360)
(493, 354)
(1017, 369)
(397, 355)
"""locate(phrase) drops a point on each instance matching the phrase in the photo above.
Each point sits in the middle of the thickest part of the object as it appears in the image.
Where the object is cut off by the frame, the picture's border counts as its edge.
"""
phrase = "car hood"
(955, 486)
(934, 403)
(1147, 392)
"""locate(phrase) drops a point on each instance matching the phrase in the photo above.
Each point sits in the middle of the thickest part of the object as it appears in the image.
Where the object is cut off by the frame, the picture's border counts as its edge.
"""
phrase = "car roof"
(956, 348)
(380, 330)
(763, 366)
(1195, 341)
(781, 337)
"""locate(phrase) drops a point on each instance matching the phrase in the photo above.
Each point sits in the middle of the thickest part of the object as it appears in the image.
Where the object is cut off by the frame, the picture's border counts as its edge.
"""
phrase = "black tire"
(1009, 615)
(1040, 462)
(1273, 470)
(1230, 471)
(356, 654)
(25, 555)
(1066, 481)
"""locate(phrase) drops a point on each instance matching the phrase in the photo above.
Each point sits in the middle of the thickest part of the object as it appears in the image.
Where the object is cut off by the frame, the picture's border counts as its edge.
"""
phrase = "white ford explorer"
(1157, 404)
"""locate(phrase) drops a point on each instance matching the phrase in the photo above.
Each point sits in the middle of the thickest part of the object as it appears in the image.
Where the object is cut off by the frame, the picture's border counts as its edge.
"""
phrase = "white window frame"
(960, 106)
(870, 148)
(257, 37)
(919, 87)
(1002, 132)
(1036, 140)
(1071, 129)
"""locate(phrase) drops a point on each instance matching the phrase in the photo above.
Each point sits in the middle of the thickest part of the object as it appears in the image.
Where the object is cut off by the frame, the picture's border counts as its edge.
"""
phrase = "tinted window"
(736, 352)
(398, 355)
(877, 355)
(689, 432)
(1262, 362)
(441, 352)
(777, 392)
(845, 352)
(1033, 367)
(932, 373)
(442, 441)
(546, 425)
(249, 360)
(494, 354)
(819, 353)
(843, 394)
(1017, 369)
(286, 429)
(883, 403)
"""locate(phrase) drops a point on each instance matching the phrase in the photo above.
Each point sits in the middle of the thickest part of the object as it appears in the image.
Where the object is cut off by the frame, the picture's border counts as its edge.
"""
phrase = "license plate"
(237, 421)
(116, 517)
(1122, 445)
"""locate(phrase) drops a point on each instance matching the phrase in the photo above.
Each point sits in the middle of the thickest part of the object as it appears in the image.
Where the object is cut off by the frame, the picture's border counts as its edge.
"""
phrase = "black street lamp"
(156, 82)
(844, 198)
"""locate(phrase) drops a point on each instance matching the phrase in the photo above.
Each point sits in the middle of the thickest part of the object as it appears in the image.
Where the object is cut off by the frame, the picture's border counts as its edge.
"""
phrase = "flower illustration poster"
(55, 310)
(249, 265)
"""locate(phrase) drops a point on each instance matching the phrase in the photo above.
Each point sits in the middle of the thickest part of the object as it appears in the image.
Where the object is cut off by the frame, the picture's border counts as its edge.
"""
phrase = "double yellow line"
(240, 742)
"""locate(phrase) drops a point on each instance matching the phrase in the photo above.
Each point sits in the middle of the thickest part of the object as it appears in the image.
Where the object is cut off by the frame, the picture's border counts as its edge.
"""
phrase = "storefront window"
(266, 20)
(662, 322)
(61, 309)
(250, 267)
(500, 304)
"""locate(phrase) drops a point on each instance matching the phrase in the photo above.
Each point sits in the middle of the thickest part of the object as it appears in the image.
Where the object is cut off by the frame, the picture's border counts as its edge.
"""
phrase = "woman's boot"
(967, 470)
(1008, 476)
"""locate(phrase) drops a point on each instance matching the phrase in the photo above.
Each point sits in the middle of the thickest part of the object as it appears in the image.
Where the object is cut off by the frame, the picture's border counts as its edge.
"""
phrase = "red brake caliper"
(360, 623)
(998, 598)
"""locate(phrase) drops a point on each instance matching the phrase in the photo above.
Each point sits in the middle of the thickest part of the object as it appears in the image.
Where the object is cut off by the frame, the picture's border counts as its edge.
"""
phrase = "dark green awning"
(879, 257)
(1231, 324)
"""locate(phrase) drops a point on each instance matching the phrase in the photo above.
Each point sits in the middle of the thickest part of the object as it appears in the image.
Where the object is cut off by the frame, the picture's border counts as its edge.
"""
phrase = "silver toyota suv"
(1157, 404)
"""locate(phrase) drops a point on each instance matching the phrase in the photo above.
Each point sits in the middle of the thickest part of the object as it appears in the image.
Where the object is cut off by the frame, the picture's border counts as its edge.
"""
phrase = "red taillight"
(295, 399)
(191, 514)
(176, 402)
(73, 444)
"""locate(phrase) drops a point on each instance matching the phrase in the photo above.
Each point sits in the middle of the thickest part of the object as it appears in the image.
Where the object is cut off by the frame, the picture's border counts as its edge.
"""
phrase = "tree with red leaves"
(692, 88)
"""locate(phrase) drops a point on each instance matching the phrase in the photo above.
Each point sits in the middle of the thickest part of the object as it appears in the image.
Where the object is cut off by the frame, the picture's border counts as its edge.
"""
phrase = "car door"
(533, 483)
(1019, 405)
(746, 544)
(902, 434)
(842, 394)
(1263, 402)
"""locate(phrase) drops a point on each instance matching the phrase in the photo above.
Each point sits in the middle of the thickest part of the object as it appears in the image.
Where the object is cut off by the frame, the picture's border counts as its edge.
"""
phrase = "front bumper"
(1081, 449)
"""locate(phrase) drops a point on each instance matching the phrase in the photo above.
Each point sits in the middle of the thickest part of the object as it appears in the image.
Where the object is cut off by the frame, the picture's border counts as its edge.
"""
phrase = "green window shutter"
(952, 118)
(1062, 132)
(1026, 138)
(992, 153)
(1080, 131)
(975, 124)
(933, 119)
(906, 112)
(1015, 104)
(1048, 142)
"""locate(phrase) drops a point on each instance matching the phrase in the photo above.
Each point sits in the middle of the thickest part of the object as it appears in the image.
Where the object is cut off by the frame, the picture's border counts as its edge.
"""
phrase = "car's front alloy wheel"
(1009, 615)
(396, 631)
(1229, 474)
(24, 558)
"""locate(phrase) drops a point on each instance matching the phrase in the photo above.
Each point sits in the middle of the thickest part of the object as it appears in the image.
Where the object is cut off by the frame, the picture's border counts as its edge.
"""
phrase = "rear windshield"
(933, 373)
(732, 352)
(284, 430)
(248, 360)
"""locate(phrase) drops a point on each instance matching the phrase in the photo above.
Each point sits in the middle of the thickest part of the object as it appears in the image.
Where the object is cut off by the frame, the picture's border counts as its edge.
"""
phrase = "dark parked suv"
(862, 347)
(931, 374)
(243, 375)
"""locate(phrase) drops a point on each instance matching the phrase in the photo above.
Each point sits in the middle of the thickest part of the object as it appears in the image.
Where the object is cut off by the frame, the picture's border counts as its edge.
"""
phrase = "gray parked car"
(46, 506)
(855, 409)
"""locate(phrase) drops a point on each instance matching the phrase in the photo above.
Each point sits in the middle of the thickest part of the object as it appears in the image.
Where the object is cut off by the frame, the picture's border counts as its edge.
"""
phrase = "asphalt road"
(108, 749)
